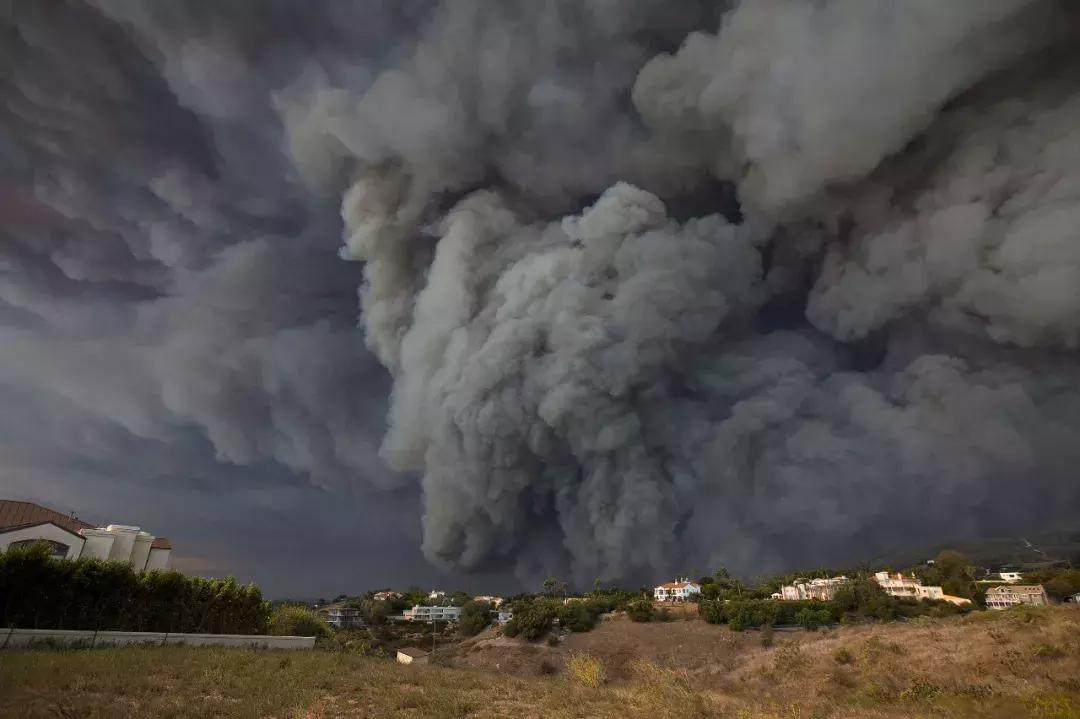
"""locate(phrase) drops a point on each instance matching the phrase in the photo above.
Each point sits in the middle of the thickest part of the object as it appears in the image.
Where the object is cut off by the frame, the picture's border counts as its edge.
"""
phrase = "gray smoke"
(601, 363)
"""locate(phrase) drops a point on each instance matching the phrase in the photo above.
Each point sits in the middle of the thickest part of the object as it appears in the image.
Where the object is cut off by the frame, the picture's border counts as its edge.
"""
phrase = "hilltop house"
(68, 537)
(906, 587)
(1011, 577)
(820, 589)
(387, 596)
(680, 590)
(432, 614)
(1013, 595)
(436, 594)
(341, 617)
(495, 602)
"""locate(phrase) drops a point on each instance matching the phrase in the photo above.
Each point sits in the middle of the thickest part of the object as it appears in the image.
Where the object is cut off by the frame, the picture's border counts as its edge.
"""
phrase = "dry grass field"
(1012, 664)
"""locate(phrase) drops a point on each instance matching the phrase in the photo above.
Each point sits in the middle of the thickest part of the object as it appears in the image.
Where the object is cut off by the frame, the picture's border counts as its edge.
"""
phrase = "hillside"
(1034, 549)
(1014, 664)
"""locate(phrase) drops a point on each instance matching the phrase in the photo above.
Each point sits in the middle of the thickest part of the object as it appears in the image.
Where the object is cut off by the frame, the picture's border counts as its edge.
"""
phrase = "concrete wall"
(12, 638)
(48, 532)
(141, 552)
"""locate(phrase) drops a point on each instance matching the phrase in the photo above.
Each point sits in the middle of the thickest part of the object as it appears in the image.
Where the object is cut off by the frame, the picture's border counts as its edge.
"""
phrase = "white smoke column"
(799, 95)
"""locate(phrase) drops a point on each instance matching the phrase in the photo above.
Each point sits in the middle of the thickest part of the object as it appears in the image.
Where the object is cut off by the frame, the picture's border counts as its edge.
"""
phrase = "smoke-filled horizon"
(599, 288)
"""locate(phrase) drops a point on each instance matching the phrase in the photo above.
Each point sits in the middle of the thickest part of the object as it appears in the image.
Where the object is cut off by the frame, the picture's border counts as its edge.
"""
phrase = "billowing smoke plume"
(658, 284)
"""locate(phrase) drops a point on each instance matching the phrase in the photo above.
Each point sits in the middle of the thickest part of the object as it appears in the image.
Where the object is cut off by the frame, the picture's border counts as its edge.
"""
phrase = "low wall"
(10, 638)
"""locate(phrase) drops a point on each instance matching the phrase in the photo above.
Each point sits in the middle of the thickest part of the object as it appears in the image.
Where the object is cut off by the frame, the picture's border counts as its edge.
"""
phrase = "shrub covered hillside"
(39, 592)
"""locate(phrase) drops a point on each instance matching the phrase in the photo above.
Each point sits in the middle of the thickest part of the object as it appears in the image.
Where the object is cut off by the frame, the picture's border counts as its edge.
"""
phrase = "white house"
(436, 594)
(26, 523)
(505, 615)
(342, 617)
(495, 602)
(387, 596)
(906, 587)
(680, 590)
(1014, 595)
(432, 614)
(1010, 577)
(820, 589)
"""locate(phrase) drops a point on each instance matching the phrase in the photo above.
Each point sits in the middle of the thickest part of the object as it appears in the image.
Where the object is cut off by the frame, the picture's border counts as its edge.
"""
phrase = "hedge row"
(40, 592)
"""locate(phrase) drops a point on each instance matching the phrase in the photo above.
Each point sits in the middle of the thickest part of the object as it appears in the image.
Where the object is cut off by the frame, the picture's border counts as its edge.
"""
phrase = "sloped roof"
(16, 514)
(677, 585)
(1016, 589)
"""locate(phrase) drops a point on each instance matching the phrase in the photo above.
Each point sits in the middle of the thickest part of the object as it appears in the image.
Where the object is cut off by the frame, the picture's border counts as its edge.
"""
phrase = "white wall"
(98, 543)
(123, 542)
(141, 551)
(158, 559)
(48, 532)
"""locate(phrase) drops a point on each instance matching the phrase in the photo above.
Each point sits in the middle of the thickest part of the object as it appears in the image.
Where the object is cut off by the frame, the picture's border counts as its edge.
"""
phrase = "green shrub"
(531, 620)
(40, 592)
(296, 621)
(475, 618)
(641, 611)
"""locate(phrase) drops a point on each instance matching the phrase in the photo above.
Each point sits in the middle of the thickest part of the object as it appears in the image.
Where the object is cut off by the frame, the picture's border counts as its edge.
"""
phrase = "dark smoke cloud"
(599, 360)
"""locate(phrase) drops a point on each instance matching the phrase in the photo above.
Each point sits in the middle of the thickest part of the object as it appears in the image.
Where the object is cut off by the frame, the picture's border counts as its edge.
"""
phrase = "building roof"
(15, 514)
(1016, 589)
(677, 585)
(21, 514)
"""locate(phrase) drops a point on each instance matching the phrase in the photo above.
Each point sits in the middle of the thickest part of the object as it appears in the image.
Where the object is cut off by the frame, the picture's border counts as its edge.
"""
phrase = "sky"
(347, 294)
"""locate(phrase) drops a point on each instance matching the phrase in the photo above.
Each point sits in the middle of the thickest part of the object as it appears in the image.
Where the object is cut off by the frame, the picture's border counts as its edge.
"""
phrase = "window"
(59, 550)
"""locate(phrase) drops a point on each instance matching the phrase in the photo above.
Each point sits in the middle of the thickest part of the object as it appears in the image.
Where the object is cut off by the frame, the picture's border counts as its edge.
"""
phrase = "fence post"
(8, 637)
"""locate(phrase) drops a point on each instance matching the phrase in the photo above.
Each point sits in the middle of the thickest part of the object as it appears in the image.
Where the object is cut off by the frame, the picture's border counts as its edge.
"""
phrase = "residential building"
(680, 590)
(1011, 577)
(25, 523)
(387, 596)
(1012, 595)
(432, 614)
(342, 617)
(436, 594)
(821, 589)
(505, 615)
(1074, 599)
(495, 602)
(412, 656)
(908, 587)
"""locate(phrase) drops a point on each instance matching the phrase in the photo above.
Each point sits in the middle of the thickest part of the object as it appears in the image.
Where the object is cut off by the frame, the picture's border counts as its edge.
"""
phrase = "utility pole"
(434, 626)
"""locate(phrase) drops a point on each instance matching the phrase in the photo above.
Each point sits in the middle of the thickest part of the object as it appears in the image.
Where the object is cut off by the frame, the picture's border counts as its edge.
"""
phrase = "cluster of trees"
(534, 618)
(40, 592)
(858, 600)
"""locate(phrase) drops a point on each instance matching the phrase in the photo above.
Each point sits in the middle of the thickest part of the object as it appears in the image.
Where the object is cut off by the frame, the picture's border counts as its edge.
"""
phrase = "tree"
(293, 621)
(550, 584)
(475, 618)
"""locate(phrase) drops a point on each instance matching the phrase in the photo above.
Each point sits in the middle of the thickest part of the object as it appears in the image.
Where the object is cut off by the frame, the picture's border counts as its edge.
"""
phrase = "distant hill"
(1022, 552)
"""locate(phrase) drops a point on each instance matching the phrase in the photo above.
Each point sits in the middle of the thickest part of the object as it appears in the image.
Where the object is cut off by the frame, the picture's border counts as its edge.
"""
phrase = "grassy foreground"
(1014, 664)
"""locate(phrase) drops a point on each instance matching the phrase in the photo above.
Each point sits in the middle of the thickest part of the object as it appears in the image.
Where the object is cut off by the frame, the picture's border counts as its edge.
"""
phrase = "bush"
(767, 635)
(40, 592)
(552, 640)
(641, 611)
(843, 656)
(475, 618)
(586, 670)
(531, 621)
(579, 616)
(296, 621)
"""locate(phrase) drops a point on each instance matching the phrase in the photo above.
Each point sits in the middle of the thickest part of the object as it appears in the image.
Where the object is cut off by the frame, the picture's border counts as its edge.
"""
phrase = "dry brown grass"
(1024, 664)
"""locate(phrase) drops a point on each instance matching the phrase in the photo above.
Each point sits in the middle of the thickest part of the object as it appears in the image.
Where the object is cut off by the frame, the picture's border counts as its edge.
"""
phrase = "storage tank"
(98, 543)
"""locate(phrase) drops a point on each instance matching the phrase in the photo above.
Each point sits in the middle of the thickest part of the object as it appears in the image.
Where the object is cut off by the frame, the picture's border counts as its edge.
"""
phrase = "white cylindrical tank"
(158, 559)
(141, 551)
(124, 542)
(98, 543)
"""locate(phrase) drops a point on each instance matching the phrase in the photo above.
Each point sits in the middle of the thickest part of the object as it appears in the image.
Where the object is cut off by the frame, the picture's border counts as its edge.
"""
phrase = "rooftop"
(28, 514)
